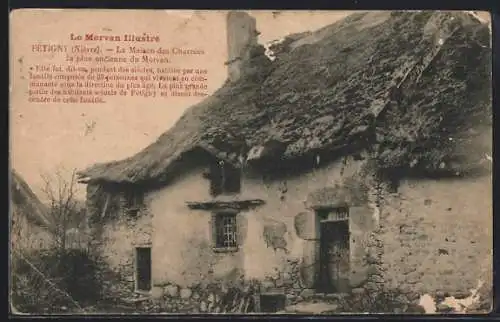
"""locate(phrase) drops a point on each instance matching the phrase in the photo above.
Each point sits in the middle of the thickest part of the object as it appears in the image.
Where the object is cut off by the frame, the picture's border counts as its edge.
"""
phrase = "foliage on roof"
(410, 87)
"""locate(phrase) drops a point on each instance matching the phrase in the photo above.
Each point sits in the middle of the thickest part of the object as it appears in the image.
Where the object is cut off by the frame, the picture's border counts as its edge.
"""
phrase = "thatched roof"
(25, 203)
(398, 83)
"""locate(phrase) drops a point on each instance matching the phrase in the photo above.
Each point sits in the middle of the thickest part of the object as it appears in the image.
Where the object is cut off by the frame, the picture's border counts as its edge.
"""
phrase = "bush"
(49, 281)
(382, 301)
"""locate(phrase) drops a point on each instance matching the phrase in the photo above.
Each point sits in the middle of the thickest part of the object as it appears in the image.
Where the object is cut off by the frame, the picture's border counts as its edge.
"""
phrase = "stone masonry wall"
(114, 237)
(429, 237)
(436, 236)
(221, 296)
(271, 250)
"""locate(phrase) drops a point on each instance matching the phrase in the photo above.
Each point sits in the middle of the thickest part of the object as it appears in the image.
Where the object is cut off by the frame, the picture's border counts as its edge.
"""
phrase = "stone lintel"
(223, 205)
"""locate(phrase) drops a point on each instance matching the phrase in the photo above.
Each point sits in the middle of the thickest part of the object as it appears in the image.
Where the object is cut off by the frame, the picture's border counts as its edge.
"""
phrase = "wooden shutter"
(215, 179)
(213, 227)
(232, 183)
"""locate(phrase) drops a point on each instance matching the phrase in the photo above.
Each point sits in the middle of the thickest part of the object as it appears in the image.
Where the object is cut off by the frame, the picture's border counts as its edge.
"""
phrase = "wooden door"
(143, 268)
(334, 257)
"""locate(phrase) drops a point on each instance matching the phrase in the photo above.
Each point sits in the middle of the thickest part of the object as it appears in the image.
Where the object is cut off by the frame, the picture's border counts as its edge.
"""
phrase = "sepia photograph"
(250, 162)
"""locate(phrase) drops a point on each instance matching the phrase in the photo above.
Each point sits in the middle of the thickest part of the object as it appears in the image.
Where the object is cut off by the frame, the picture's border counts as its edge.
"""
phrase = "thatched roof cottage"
(30, 225)
(357, 159)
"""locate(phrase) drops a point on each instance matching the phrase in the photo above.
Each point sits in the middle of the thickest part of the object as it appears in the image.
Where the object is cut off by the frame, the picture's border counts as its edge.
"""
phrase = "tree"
(64, 208)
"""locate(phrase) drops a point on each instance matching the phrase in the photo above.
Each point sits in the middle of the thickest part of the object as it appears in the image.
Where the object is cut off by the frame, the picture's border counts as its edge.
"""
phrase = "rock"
(334, 296)
(156, 292)
(171, 290)
(358, 291)
(459, 295)
(443, 308)
(370, 286)
(312, 308)
(377, 279)
(413, 296)
(185, 293)
(203, 306)
(307, 293)
(415, 308)
(266, 285)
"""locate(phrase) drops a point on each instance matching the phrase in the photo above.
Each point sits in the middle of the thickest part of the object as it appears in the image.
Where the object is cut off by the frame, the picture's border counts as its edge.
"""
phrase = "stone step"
(329, 296)
(311, 308)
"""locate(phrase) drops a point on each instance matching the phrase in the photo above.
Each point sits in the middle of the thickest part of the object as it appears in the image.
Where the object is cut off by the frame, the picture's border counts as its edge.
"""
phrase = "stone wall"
(221, 296)
(209, 298)
(115, 234)
(425, 238)
(269, 241)
(437, 234)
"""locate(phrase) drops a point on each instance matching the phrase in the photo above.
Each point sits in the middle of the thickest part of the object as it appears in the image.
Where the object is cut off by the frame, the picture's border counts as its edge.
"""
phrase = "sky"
(50, 137)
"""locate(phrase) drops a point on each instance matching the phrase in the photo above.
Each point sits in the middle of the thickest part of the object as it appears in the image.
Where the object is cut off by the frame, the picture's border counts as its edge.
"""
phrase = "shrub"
(48, 281)
(382, 301)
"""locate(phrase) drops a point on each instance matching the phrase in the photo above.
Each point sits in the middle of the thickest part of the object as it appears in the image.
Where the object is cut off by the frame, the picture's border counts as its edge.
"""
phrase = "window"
(133, 200)
(225, 231)
(224, 178)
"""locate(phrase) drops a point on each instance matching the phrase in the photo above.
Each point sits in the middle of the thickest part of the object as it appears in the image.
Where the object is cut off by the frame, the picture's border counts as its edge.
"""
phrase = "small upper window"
(225, 231)
(224, 178)
(133, 200)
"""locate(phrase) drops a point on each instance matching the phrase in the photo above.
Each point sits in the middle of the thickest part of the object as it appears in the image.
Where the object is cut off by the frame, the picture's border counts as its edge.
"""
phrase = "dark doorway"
(334, 257)
(143, 268)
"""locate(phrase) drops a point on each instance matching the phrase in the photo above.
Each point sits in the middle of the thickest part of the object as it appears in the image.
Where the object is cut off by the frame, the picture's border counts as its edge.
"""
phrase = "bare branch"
(61, 192)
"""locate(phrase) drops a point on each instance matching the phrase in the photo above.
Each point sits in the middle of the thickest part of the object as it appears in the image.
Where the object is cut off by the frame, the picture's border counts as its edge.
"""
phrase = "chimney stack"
(241, 36)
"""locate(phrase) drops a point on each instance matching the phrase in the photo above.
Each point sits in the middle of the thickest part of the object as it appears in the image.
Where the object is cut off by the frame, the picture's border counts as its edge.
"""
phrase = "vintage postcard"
(249, 162)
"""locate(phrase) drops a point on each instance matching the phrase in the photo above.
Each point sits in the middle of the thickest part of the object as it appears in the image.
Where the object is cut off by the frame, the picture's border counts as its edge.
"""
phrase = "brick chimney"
(241, 36)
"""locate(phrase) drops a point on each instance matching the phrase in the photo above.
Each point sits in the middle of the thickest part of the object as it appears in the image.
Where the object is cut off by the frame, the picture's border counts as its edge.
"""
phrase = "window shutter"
(232, 179)
(215, 179)
(213, 225)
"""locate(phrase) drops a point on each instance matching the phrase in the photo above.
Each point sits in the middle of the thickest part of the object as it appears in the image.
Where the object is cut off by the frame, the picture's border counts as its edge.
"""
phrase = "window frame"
(217, 231)
(341, 213)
